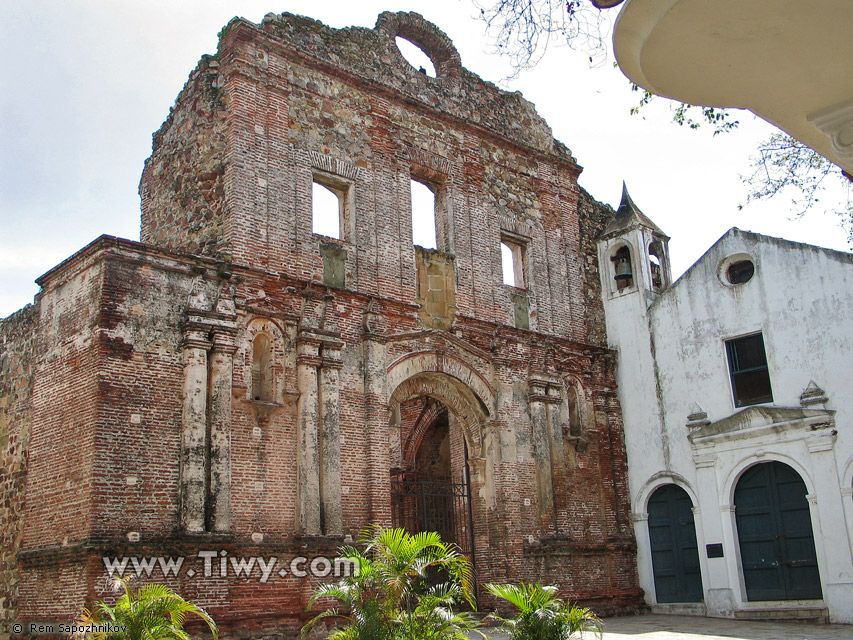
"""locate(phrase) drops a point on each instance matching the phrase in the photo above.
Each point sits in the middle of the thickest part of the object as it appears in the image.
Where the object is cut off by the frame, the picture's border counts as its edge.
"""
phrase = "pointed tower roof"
(628, 216)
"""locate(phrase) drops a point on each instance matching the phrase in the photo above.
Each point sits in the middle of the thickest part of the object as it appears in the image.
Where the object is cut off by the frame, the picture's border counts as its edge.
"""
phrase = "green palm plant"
(542, 615)
(405, 559)
(361, 604)
(388, 596)
(433, 618)
(148, 612)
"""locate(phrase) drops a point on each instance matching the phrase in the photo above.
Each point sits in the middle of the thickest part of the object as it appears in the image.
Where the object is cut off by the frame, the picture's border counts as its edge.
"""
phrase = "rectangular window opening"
(327, 208)
(513, 257)
(748, 370)
(424, 216)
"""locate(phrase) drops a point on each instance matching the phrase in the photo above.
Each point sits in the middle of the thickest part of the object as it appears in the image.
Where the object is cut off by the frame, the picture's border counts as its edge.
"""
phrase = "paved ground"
(666, 627)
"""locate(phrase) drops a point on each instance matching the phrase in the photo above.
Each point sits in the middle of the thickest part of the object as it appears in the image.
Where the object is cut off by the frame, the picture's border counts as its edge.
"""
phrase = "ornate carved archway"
(456, 396)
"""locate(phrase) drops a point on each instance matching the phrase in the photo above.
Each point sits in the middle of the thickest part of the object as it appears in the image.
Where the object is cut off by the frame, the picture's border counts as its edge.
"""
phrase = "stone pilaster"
(330, 442)
(308, 438)
(375, 419)
(221, 367)
(194, 428)
(539, 424)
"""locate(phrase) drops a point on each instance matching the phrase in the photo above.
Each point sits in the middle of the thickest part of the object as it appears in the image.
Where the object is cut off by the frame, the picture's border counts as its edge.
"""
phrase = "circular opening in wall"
(416, 56)
(740, 271)
(737, 269)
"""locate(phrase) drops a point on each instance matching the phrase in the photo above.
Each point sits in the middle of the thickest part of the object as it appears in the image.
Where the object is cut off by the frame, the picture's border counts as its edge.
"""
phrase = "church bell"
(623, 269)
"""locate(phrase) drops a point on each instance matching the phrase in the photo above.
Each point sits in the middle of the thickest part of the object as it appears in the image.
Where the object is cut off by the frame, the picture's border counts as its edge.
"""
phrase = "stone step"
(681, 609)
(815, 615)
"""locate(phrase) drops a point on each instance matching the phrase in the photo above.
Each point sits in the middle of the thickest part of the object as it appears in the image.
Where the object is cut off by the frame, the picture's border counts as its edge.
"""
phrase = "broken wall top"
(373, 56)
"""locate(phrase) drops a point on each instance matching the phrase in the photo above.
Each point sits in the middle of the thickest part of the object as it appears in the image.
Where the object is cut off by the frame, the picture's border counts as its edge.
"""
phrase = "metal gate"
(435, 505)
(675, 556)
(774, 528)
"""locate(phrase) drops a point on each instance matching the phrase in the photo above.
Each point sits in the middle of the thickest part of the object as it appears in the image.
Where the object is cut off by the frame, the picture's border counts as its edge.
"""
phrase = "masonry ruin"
(237, 383)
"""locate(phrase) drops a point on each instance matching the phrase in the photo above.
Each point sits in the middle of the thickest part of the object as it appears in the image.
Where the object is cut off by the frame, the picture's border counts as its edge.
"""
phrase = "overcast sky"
(86, 82)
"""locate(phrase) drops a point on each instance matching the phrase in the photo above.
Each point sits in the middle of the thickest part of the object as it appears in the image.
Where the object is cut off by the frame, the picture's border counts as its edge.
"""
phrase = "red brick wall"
(17, 357)
(277, 98)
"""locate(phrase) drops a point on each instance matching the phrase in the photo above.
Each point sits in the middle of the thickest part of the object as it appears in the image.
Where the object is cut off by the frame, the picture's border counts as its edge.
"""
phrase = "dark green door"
(675, 558)
(774, 527)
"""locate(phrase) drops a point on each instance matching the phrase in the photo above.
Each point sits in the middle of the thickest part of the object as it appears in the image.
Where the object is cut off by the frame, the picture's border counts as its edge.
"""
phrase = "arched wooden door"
(775, 532)
(675, 557)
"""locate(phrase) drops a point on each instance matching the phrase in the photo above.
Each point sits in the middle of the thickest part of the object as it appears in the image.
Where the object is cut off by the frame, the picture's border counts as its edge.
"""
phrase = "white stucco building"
(735, 385)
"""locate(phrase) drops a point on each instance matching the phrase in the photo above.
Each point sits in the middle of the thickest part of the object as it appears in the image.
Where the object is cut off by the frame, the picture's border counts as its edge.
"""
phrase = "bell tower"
(633, 255)
(633, 261)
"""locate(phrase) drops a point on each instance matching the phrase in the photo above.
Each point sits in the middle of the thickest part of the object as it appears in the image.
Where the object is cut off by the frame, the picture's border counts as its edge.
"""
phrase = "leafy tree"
(388, 596)
(148, 612)
(524, 29)
(542, 615)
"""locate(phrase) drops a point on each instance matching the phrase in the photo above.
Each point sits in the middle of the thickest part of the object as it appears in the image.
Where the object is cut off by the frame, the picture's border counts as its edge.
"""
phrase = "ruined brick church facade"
(235, 382)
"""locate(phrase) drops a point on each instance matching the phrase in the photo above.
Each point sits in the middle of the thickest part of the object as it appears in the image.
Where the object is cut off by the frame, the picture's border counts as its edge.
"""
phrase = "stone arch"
(608, 257)
(738, 469)
(425, 421)
(775, 519)
(425, 35)
(673, 545)
(455, 395)
(641, 501)
(657, 264)
(412, 364)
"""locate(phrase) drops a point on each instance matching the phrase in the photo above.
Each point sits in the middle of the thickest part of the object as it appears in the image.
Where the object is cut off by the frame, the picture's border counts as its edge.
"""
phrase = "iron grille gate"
(435, 505)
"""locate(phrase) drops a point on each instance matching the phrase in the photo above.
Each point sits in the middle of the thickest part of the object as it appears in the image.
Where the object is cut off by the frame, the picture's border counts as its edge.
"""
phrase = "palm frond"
(150, 612)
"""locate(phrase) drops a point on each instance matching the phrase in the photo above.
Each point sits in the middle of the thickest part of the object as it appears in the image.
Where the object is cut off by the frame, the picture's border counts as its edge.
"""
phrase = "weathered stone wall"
(594, 217)
(292, 99)
(182, 187)
(17, 359)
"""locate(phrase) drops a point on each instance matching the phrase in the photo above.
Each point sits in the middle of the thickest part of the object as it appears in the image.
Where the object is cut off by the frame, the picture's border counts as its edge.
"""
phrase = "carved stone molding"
(837, 123)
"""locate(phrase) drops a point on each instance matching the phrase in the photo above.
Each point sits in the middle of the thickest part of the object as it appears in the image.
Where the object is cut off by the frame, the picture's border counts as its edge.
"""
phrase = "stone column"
(847, 502)
(330, 442)
(219, 470)
(194, 429)
(308, 462)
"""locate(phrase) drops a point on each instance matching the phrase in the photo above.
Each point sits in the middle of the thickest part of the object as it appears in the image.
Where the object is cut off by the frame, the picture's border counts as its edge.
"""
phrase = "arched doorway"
(675, 556)
(430, 483)
(431, 394)
(775, 532)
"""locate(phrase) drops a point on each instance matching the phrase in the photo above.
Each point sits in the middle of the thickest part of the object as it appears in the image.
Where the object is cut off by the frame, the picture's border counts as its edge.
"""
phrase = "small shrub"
(542, 615)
